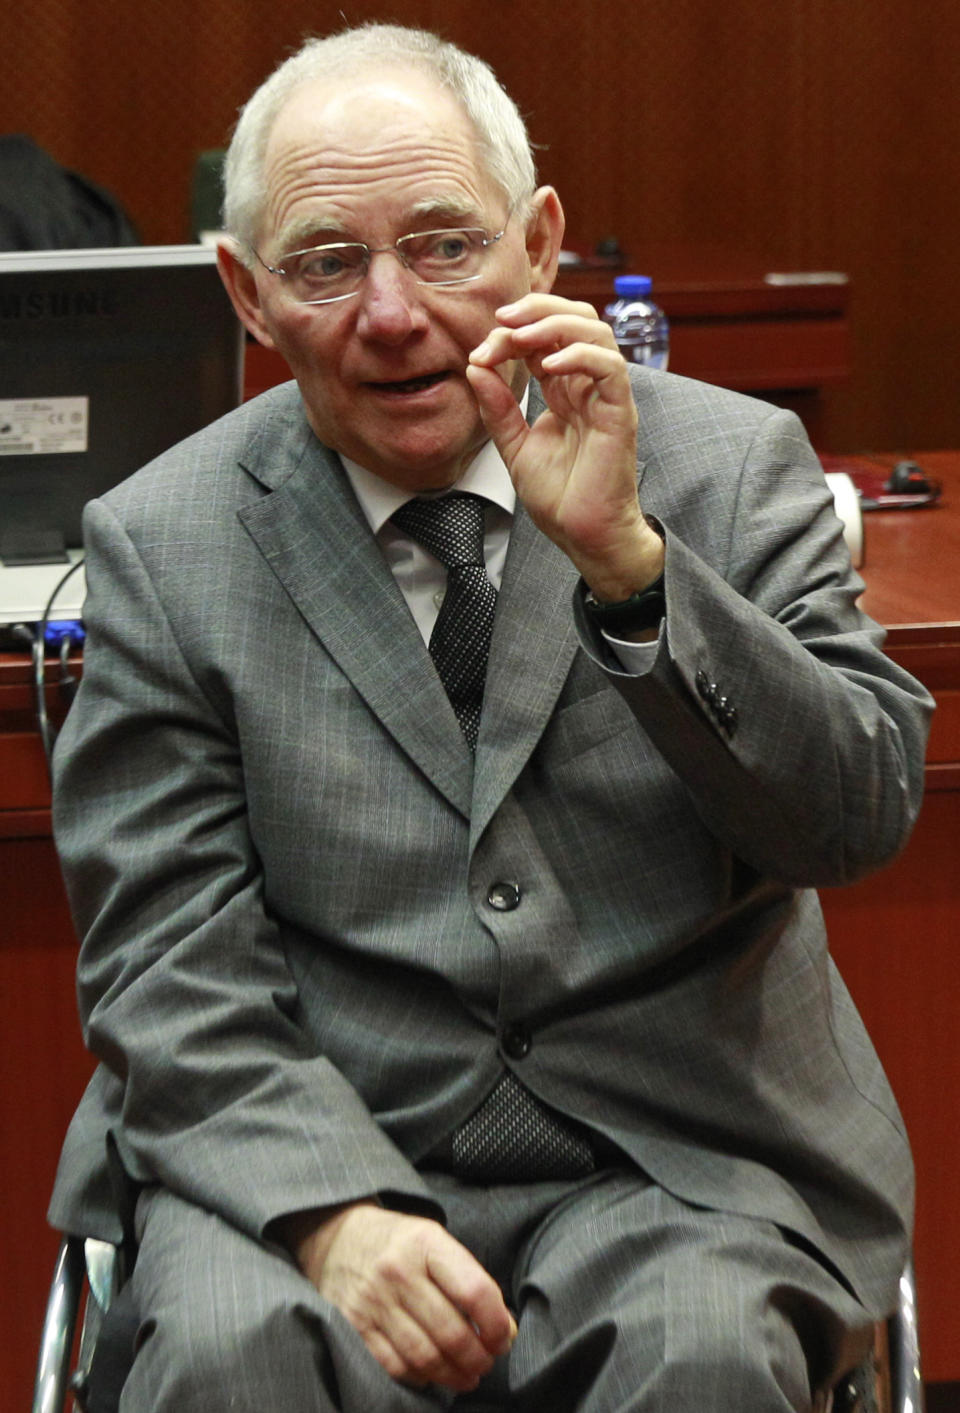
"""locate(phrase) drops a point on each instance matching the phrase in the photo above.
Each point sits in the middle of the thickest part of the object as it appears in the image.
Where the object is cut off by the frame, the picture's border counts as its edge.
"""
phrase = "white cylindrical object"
(847, 504)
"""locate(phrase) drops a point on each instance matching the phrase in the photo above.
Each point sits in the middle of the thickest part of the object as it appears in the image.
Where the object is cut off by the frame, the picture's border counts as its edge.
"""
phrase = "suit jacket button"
(728, 716)
(504, 897)
(517, 1041)
(708, 690)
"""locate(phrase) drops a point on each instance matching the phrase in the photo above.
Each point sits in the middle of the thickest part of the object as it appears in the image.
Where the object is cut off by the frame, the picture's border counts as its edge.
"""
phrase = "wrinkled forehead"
(381, 139)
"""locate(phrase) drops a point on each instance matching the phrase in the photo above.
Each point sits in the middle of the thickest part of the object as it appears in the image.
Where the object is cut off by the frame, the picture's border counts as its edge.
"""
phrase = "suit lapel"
(316, 540)
(533, 646)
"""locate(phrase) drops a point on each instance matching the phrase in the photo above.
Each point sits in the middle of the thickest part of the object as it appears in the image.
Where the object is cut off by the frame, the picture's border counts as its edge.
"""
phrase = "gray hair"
(502, 136)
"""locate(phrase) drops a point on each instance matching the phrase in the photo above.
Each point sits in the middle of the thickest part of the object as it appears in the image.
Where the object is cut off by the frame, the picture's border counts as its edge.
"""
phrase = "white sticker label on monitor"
(40, 426)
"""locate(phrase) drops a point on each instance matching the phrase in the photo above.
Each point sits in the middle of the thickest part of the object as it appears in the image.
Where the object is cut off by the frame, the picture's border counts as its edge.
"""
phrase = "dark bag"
(43, 206)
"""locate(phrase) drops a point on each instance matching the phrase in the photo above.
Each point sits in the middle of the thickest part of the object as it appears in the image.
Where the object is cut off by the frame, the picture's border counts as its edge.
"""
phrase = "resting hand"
(425, 1307)
(575, 469)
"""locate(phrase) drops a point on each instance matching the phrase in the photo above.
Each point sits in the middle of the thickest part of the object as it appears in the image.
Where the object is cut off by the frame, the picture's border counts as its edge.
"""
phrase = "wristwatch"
(642, 610)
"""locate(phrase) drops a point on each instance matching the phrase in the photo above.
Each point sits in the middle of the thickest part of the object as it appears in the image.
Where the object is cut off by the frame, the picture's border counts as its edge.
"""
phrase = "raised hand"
(575, 468)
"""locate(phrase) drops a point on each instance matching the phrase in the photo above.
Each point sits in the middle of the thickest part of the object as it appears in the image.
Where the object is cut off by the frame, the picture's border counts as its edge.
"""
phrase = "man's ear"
(241, 286)
(544, 236)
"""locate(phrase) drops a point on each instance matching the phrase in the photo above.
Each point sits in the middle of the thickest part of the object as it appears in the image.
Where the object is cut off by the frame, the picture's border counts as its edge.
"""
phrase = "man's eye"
(322, 266)
(439, 248)
(327, 264)
(450, 247)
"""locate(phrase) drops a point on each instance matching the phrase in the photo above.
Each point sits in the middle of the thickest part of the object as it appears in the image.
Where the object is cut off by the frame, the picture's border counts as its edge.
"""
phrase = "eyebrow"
(444, 208)
(310, 231)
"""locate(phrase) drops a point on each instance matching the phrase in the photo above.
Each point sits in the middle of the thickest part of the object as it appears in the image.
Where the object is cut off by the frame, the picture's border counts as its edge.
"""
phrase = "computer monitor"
(107, 357)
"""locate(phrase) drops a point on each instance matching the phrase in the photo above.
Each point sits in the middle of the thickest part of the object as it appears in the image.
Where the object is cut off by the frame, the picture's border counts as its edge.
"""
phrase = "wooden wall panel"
(815, 134)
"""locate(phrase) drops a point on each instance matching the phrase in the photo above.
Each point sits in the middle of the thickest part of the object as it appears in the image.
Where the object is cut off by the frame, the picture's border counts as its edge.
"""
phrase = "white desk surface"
(26, 590)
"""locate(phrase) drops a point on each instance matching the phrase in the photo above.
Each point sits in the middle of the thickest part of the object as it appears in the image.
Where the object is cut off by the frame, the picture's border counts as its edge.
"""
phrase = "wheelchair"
(888, 1381)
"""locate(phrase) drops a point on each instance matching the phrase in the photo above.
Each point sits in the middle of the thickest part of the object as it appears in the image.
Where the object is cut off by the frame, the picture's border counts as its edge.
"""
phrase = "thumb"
(499, 409)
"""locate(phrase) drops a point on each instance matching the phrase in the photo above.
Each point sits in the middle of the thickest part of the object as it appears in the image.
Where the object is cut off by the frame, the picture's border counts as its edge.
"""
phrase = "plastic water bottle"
(639, 325)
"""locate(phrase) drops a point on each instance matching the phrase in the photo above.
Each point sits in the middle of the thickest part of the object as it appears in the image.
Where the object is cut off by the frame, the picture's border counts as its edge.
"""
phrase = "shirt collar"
(485, 476)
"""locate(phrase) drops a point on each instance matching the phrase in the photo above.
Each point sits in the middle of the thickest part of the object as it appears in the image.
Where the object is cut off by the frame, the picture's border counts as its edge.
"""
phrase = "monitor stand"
(26, 546)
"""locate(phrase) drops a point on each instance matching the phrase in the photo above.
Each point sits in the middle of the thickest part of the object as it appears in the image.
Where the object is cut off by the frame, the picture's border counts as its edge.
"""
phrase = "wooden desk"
(895, 938)
(43, 1064)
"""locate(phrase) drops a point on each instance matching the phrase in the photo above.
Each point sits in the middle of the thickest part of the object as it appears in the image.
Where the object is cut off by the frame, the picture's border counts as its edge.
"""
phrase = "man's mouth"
(411, 385)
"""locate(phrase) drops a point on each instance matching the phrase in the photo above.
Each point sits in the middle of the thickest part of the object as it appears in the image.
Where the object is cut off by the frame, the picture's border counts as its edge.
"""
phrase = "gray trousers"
(626, 1298)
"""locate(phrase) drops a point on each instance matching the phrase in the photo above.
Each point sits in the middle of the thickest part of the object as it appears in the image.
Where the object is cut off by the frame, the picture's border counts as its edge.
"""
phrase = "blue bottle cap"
(632, 286)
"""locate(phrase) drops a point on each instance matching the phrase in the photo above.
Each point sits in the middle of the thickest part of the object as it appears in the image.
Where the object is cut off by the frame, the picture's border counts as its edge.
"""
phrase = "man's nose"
(391, 308)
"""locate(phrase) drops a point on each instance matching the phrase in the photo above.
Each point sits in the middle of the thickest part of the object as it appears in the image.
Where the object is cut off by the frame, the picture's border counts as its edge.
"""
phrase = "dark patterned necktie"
(451, 528)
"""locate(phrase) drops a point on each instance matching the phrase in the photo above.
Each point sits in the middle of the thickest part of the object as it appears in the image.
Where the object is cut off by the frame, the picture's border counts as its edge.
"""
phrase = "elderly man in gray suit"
(463, 730)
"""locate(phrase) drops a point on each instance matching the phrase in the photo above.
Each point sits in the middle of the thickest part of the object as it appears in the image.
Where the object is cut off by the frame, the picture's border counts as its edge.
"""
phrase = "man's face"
(382, 373)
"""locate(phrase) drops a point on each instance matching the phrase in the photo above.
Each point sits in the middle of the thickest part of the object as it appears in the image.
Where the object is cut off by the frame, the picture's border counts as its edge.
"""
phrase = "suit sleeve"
(801, 744)
(183, 986)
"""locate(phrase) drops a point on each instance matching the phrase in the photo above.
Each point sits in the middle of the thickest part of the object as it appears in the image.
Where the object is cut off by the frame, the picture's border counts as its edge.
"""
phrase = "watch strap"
(641, 610)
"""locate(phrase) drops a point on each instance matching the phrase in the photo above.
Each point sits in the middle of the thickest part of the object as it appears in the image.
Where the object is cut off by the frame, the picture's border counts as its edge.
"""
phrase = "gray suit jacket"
(280, 854)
